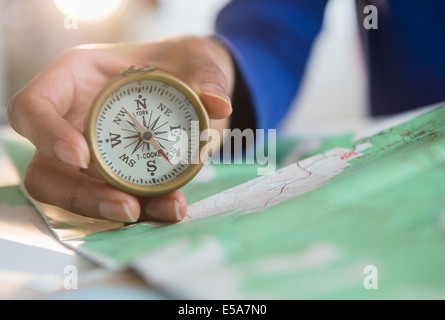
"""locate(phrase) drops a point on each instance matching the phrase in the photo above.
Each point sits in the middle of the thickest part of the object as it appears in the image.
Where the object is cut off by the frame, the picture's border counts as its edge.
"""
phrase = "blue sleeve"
(270, 41)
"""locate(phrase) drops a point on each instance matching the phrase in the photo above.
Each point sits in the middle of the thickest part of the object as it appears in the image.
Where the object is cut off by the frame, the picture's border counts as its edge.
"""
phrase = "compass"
(148, 132)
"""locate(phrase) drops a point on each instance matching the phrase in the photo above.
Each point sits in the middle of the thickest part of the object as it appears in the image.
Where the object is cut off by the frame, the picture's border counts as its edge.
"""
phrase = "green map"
(351, 220)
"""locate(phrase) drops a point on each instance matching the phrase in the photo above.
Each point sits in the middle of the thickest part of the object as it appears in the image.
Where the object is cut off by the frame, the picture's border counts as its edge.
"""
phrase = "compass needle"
(139, 126)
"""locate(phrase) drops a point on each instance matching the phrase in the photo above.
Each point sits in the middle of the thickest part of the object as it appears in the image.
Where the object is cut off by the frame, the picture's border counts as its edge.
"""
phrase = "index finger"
(36, 113)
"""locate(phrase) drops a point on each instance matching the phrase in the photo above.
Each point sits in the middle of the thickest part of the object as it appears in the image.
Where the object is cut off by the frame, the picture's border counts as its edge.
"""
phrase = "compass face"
(145, 137)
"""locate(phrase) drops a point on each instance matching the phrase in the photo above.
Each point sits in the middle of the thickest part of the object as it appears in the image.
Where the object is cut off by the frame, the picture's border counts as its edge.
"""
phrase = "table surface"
(35, 265)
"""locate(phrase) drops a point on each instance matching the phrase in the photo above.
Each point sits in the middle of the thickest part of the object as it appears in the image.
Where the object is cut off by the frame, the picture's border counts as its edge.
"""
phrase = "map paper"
(311, 230)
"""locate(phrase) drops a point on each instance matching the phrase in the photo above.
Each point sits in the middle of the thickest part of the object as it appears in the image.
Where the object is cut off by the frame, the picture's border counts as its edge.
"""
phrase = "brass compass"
(148, 132)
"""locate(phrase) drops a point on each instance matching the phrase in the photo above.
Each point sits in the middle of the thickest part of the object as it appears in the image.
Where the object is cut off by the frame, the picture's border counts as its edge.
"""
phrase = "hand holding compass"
(50, 112)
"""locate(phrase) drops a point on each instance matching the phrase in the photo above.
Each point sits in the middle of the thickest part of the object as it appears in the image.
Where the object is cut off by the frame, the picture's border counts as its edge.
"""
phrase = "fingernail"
(116, 211)
(70, 154)
(210, 89)
(163, 210)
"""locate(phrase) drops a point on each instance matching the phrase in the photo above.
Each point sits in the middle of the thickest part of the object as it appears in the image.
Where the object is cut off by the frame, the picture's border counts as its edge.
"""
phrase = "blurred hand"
(50, 112)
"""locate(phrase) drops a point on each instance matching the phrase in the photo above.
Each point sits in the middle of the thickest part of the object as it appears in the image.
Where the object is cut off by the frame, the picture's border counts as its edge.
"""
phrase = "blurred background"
(33, 32)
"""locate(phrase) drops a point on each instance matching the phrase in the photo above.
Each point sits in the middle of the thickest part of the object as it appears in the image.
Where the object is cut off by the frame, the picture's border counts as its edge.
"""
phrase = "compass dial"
(145, 133)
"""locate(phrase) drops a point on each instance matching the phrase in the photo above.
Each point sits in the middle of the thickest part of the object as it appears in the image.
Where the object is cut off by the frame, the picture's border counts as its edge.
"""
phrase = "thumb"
(211, 85)
(211, 75)
(216, 100)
